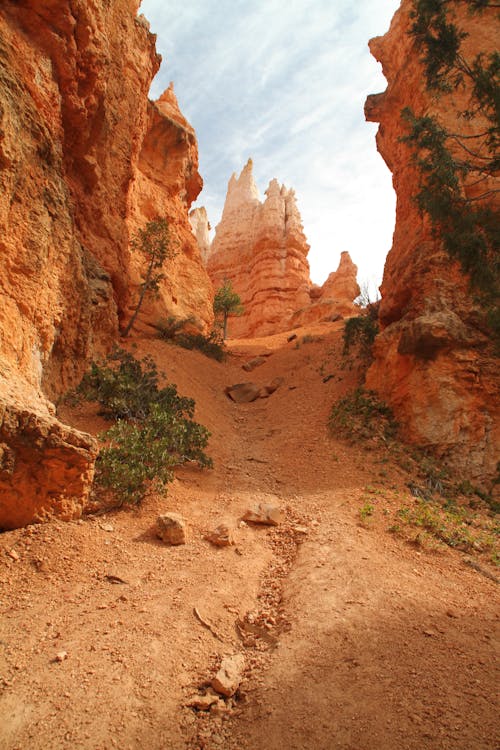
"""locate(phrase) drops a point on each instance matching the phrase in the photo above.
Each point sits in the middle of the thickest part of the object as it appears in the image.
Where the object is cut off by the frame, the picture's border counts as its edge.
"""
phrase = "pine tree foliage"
(458, 168)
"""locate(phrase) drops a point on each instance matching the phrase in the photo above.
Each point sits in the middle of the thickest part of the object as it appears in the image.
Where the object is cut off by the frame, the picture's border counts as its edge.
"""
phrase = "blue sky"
(284, 82)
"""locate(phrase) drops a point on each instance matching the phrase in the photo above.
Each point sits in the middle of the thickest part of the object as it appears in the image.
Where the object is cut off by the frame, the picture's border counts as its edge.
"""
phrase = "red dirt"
(353, 638)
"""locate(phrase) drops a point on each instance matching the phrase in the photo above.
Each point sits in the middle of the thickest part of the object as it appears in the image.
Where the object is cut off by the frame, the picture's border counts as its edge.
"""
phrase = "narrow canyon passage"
(352, 638)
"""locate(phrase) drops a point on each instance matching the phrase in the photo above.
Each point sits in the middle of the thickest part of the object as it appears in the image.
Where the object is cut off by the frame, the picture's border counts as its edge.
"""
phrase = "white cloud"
(284, 83)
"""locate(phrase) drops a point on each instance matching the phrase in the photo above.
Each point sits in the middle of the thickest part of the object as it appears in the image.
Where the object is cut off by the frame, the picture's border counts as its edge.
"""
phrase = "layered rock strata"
(431, 359)
(76, 133)
(334, 300)
(200, 225)
(166, 182)
(261, 248)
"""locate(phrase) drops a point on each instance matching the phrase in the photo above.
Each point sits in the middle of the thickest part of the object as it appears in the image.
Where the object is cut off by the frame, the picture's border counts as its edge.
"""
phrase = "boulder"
(243, 393)
(220, 537)
(253, 363)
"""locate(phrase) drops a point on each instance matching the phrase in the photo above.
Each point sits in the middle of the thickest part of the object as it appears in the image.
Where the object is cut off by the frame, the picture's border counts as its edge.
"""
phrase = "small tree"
(155, 245)
(226, 303)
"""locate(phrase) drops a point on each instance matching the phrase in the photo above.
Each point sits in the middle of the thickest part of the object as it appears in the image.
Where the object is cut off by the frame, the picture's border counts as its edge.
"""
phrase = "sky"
(284, 82)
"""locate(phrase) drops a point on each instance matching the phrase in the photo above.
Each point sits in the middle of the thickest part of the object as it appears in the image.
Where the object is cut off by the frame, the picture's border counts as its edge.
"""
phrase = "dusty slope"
(374, 644)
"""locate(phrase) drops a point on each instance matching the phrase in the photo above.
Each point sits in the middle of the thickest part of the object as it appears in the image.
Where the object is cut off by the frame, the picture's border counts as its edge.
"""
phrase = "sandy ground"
(352, 638)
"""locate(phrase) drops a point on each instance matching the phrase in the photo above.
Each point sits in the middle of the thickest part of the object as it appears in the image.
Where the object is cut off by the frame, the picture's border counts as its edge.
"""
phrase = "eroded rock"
(243, 393)
(171, 528)
(430, 361)
(228, 678)
(266, 514)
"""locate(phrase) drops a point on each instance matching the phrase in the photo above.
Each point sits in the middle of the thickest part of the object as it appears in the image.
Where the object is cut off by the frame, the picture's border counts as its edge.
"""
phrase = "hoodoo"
(262, 249)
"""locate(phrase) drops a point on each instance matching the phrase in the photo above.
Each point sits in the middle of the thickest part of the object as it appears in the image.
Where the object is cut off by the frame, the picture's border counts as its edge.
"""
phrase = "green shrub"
(126, 388)
(212, 345)
(154, 432)
(169, 328)
(360, 331)
(146, 451)
(360, 415)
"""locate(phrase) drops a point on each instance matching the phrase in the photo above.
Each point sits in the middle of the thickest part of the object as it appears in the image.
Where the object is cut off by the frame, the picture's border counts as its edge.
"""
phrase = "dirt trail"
(352, 638)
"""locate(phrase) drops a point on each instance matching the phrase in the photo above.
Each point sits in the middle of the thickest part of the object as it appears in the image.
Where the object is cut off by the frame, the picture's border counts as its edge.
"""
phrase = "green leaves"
(360, 415)
(227, 302)
(154, 432)
(154, 243)
(454, 165)
(140, 453)
(360, 331)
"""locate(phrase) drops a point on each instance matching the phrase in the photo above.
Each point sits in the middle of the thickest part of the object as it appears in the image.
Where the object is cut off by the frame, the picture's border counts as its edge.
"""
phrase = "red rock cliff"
(165, 183)
(431, 360)
(77, 135)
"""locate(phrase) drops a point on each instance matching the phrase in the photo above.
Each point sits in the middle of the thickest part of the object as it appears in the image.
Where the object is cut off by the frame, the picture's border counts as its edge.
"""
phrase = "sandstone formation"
(431, 360)
(333, 300)
(166, 182)
(77, 135)
(262, 249)
(200, 225)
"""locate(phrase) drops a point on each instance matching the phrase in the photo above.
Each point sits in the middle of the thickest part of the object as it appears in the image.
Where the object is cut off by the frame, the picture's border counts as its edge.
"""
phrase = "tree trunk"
(141, 298)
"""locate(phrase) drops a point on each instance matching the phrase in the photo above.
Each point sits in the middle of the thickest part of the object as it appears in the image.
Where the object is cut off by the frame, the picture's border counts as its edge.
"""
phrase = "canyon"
(87, 159)
(362, 611)
(80, 148)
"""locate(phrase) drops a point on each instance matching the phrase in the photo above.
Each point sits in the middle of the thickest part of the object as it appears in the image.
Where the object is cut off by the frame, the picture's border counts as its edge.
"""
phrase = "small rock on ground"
(264, 513)
(243, 393)
(171, 528)
(220, 537)
(253, 363)
(230, 674)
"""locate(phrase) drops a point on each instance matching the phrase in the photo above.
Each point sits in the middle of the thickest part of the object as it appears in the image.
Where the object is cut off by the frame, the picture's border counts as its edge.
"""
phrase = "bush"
(360, 415)
(147, 451)
(212, 345)
(127, 389)
(361, 331)
(155, 430)
(169, 328)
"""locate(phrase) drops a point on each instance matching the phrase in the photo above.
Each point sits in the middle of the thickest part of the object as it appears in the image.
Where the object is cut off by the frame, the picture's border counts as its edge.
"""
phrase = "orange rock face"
(262, 249)
(431, 363)
(200, 225)
(77, 135)
(166, 182)
(334, 299)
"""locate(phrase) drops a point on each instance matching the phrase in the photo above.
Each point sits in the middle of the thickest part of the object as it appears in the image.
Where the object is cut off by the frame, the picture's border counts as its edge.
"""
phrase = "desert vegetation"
(154, 430)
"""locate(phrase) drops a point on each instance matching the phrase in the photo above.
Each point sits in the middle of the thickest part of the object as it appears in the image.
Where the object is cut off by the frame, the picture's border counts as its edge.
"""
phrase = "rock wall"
(166, 182)
(333, 300)
(432, 362)
(200, 225)
(262, 249)
(76, 136)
